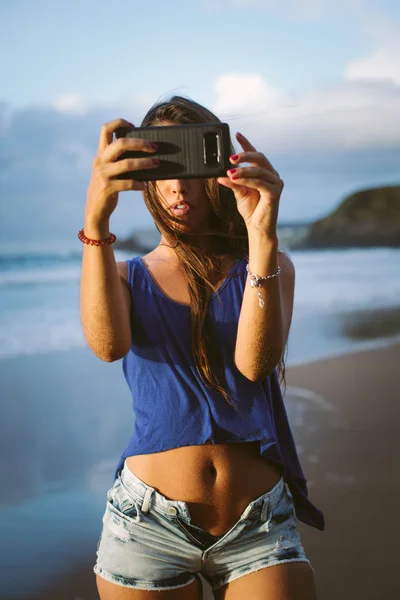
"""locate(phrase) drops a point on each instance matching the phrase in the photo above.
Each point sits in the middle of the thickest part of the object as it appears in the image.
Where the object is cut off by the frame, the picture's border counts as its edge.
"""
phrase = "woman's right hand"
(102, 193)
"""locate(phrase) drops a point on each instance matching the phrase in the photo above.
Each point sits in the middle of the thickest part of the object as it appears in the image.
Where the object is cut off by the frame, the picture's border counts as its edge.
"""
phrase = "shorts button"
(172, 510)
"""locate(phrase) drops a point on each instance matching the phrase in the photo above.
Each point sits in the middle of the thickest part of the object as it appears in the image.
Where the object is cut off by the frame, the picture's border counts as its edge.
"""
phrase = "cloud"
(301, 10)
(67, 157)
(348, 116)
(46, 158)
(245, 91)
(381, 28)
(382, 65)
(326, 143)
(70, 103)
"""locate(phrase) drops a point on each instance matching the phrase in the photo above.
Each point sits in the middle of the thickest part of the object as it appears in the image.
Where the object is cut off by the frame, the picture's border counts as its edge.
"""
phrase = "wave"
(38, 258)
(37, 332)
(38, 268)
(327, 279)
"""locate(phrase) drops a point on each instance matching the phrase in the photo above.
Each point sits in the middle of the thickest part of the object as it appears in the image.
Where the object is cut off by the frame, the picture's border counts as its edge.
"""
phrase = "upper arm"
(122, 267)
(286, 287)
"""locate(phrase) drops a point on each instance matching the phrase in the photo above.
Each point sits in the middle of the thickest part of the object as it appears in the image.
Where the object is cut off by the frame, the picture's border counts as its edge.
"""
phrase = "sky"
(313, 84)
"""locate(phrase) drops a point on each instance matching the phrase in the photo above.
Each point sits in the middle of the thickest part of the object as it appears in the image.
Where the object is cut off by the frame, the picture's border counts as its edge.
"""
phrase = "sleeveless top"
(171, 404)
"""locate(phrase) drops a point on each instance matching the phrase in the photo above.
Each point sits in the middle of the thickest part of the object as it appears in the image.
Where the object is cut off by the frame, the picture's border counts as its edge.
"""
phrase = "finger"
(256, 158)
(251, 172)
(253, 182)
(226, 182)
(244, 142)
(107, 131)
(124, 185)
(129, 164)
(118, 147)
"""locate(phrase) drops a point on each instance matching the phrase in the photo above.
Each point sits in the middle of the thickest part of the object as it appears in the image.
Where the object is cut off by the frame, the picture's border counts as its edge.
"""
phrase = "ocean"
(39, 297)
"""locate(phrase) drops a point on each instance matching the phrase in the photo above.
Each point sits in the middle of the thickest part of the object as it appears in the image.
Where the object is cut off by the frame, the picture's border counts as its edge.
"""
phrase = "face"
(190, 194)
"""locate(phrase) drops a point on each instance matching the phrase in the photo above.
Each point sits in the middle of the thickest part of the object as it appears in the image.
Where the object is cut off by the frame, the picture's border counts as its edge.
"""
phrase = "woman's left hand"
(257, 189)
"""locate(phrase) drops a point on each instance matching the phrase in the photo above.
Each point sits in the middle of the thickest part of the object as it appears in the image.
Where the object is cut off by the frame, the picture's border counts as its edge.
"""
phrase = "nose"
(179, 186)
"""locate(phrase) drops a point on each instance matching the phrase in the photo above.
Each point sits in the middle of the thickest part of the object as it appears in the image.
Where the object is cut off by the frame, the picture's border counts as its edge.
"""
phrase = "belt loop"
(264, 513)
(146, 500)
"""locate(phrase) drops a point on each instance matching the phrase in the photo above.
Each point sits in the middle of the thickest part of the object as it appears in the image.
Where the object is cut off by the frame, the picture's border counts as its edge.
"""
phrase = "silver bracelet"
(255, 281)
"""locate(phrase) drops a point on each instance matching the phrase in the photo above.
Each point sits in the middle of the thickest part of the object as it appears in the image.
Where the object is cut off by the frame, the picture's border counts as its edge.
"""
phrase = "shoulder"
(125, 270)
(286, 263)
(287, 275)
(122, 267)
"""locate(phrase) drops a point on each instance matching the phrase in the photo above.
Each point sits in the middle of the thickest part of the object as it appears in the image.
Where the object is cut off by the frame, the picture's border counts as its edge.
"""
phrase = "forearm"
(104, 315)
(259, 342)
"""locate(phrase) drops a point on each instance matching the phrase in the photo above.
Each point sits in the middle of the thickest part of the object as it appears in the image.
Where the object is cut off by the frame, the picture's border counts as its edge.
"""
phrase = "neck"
(204, 243)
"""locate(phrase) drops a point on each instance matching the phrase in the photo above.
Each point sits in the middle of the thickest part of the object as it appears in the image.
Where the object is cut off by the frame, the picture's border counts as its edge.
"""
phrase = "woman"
(210, 481)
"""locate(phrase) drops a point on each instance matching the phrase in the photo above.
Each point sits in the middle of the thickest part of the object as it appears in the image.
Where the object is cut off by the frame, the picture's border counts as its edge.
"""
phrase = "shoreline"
(356, 348)
(344, 333)
(350, 332)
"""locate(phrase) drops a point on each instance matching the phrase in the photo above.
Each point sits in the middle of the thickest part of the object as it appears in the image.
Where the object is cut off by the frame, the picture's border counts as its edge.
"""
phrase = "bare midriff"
(217, 481)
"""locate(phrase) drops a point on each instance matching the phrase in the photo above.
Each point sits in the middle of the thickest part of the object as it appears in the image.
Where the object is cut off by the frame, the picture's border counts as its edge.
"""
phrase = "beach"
(350, 448)
(344, 414)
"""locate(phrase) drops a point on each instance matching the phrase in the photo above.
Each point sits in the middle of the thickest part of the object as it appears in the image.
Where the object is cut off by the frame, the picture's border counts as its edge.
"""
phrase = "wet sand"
(344, 413)
(350, 448)
(370, 324)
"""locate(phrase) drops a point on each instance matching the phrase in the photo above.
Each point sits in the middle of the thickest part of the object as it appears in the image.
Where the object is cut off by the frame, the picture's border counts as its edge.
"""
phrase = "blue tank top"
(171, 404)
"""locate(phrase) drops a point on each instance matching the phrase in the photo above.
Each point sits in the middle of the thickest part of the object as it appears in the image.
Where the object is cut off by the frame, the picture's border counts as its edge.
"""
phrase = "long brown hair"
(227, 236)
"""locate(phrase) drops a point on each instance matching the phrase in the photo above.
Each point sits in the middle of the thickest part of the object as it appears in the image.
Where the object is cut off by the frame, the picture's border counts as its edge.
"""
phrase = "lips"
(180, 211)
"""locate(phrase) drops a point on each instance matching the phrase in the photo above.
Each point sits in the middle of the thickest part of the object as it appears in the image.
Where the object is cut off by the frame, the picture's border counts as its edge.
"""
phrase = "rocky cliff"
(367, 218)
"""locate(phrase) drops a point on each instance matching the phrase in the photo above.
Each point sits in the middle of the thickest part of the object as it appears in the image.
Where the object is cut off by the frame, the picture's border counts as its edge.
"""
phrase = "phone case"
(194, 151)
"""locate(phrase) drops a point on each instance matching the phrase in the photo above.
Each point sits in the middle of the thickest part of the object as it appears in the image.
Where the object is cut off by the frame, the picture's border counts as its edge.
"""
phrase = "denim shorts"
(148, 542)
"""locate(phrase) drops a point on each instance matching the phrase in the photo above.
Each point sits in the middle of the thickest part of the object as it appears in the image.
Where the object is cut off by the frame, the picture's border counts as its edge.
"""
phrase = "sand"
(344, 414)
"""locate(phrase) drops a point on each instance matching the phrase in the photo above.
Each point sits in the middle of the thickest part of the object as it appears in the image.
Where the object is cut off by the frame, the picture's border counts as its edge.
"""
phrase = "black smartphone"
(193, 151)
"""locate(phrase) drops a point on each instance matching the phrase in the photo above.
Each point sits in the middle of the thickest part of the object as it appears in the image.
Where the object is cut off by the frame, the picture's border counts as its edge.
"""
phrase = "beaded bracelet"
(255, 281)
(86, 240)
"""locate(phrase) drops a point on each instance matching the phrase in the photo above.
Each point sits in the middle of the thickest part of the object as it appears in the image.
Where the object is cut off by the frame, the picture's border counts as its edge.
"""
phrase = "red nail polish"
(234, 157)
(232, 171)
(237, 177)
